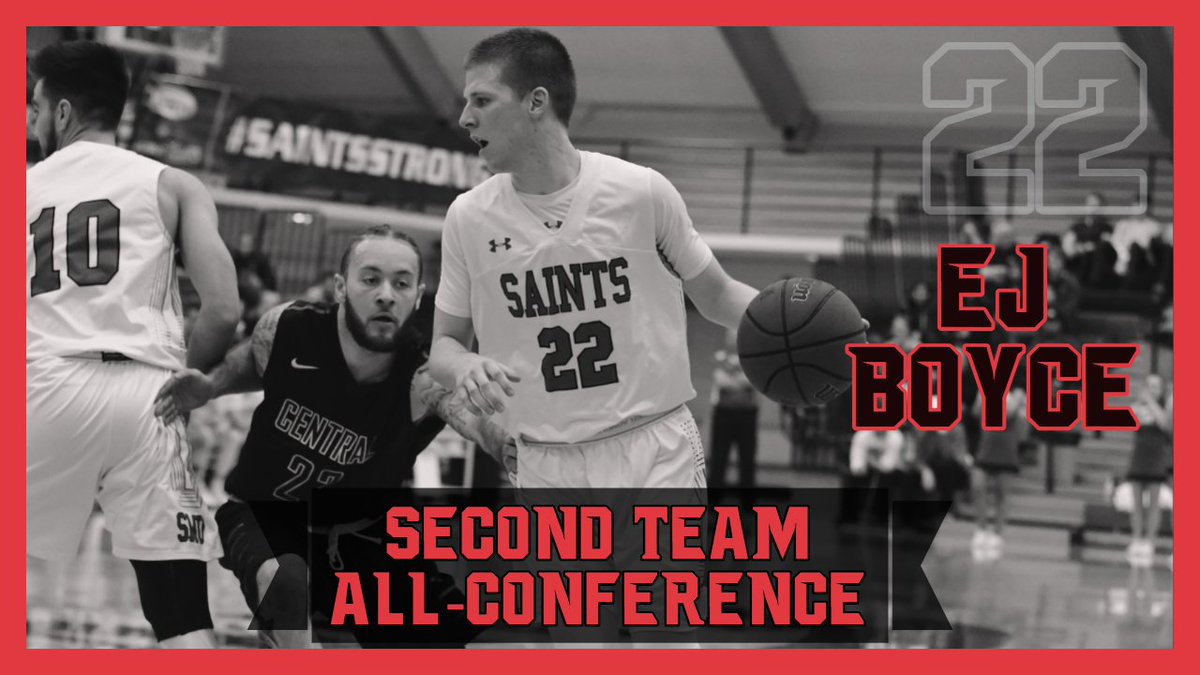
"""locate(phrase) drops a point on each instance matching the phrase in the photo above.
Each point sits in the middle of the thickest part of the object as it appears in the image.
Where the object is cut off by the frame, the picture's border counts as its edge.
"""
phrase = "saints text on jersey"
(566, 288)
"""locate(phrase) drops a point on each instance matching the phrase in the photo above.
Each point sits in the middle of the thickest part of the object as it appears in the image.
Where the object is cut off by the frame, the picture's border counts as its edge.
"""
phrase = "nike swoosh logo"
(300, 366)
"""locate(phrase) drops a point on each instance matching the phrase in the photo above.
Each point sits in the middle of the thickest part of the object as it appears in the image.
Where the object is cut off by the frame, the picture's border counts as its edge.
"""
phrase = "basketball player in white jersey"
(570, 269)
(104, 331)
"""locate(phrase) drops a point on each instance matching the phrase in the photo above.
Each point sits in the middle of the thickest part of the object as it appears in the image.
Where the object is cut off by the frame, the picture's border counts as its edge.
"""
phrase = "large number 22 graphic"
(83, 267)
(598, 338)
(1043, 90)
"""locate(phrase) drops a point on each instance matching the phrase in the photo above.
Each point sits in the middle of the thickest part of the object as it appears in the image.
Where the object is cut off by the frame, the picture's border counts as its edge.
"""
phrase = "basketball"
(792, 339)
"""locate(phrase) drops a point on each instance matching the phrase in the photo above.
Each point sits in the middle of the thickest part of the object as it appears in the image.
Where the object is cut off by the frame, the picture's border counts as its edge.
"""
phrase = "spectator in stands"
(974, 231)
(422, 316)
(1049, 239)
(902, 334)
(1133, 241)
(998, 458)
(1064, 294)
(256, 299)
(1148, 466)
(942, 462)
(922, 312)
(1004, 238)
(1162, 288)
(930, 464)
(970, 425)
(247, 257)
(875, 458)
(1004, 270)
(998, 273)
(216, 431)
(797, 424)
(907, 480)
(434, 265)
(875, 335)
(818, 437)
(734, 418)
(322, 288)
(1164, 329)
(879, 227)
(1088, 245)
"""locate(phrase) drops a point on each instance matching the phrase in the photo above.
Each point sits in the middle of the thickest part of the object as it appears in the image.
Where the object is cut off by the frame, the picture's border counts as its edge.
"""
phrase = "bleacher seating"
(1065, 186)
(826, 193)
(829, 191)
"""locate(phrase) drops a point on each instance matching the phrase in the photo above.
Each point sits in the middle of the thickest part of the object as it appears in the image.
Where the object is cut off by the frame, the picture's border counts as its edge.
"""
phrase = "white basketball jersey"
(587, 313)
(99, 261)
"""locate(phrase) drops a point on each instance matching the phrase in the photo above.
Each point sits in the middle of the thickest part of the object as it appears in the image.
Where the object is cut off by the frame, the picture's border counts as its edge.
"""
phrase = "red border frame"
(613, 12)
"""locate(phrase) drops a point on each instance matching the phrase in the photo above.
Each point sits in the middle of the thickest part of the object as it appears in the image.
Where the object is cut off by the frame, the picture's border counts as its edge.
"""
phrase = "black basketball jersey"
(317, 426)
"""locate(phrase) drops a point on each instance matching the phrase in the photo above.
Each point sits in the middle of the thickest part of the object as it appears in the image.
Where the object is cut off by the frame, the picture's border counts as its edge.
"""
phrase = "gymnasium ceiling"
(859, 85)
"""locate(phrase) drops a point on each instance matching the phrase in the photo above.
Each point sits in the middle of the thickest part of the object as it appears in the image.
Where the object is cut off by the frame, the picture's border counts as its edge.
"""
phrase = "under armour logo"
(553, 227)
(507, 244)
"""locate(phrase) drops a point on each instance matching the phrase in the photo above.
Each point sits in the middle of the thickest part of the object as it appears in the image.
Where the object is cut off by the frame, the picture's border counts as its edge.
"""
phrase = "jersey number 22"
(590, 373)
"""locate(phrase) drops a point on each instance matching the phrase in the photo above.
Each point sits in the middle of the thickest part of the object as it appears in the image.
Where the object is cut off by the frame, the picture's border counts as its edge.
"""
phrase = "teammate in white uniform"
(104, 331)
(570, 268)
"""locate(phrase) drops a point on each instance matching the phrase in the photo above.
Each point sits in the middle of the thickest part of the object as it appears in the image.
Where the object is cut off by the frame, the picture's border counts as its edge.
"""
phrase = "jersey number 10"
(93, 256)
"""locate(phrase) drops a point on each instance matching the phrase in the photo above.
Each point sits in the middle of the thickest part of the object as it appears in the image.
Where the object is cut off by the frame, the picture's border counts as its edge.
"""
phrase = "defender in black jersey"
(347, 403)
(320, 426)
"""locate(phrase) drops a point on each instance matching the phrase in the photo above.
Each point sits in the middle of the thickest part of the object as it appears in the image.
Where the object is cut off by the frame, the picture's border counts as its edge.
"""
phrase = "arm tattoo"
(438, 399)
(244, 365)
(264, 337)
(236, 373)
(425, 392)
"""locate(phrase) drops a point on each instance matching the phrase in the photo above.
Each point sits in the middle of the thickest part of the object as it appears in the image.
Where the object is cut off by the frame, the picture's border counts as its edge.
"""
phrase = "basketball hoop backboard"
(190, 46)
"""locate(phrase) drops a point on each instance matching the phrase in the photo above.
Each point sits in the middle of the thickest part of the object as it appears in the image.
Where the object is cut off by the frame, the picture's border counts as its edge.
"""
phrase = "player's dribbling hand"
(186, 390)
(484, 383)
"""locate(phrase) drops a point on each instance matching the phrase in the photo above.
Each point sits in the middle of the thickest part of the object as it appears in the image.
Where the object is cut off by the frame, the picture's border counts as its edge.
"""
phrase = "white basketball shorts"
(664, 451)
(654, 461)
(91, 436)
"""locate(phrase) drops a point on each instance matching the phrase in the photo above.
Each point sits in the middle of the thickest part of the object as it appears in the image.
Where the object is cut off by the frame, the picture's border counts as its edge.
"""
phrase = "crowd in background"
(1131, 258)
(1122, 266)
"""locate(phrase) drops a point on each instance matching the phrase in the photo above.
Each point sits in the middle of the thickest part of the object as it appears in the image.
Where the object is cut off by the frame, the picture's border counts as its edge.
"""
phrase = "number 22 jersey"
(99, 261)
(589, 312)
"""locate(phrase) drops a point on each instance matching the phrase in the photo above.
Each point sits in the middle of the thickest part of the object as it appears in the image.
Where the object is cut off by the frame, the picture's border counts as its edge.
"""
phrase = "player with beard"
(107, 229)
(347, 403)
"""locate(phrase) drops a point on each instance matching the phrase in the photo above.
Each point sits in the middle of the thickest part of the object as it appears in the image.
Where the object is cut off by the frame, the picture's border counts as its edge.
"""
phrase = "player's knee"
(264, 575)
(289, 570)
(283, 593)
(174, 595)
